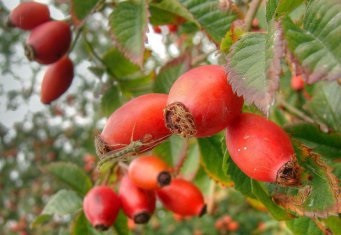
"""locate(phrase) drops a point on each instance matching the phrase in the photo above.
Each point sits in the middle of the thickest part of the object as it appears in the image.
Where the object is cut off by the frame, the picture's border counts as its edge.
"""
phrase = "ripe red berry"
(157, 29)
(48, 42)
(201, 102)
(149, 172)
(262, 150)
(297, 83)
(101, 206)
(57, 79)
(172, 28)
(140, 119)
(182, 197)
(138, 204)
(28, 15)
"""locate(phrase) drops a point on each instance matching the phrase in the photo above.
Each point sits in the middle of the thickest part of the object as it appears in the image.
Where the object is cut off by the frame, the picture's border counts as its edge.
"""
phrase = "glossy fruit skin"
(208, 97)
(183, 198)
(259, 147)
(149, 172)
(57, 79)
(48, 42)
(101, 206)
(138, 204)
(28, 15)
(297, 83)
(140, 119)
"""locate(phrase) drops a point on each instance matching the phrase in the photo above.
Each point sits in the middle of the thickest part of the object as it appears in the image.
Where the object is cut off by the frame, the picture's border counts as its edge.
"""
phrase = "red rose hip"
(101, 206)
(183, 198)
(48, 42)
(140, 119)
(57, 79)
(138, 204)
(28, 15)
(262, 150)
(149, 172)
(297, 83)
(201, 102)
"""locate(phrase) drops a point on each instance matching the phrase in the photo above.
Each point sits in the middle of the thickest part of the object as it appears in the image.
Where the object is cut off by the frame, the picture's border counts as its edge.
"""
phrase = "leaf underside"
(253, 67)
(128, 23)
(213, 20)
(316, 45)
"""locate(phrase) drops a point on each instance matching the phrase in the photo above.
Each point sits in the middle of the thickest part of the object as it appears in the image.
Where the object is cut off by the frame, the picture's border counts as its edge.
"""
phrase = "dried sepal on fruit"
(201, 102)
(48, 42)
(138, 124)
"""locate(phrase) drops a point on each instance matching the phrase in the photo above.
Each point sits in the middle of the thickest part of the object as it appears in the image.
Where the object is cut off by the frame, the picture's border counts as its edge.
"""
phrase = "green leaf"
(128, 23)
(118, 65)
(287, 6)
(170, 148)
(81, 226)
(242, 183)
(304, 225)
(278, 8)
(121, 224)
(325, 104)
(174, 8)
(40, 219)
(316, 44)
(81, 8)
(169, 73)
(277, 212)
(111, 100)
(213, 20)
(254, 65)
(327, 144)
(160, 16)
(333, 223)
(70, 174)
(137, 85)
(271, 7)
(212, 158)
(319, 195)
(64, 202)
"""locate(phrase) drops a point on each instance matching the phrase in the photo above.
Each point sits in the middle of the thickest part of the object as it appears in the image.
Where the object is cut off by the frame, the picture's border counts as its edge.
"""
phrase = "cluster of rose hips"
(147, 178)
(48, 43)
(200, 103)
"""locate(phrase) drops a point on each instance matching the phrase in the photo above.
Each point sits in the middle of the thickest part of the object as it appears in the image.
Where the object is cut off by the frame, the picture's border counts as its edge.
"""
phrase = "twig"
(92, 50)
(301, 114)
(250, 14)
(79, 31)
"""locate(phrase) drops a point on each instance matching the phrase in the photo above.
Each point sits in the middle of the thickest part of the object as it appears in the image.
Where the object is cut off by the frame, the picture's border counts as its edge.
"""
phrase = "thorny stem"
(250, 14)
(182, 158)
(301, 114)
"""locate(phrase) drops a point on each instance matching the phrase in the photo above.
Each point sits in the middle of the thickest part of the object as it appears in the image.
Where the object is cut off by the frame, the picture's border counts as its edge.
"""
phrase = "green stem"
(250, 14)
(92, 50)
(300, 114)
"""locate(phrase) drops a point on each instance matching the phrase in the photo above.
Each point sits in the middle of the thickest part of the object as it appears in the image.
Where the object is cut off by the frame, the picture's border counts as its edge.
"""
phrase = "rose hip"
(262, 150)
(201, 102)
